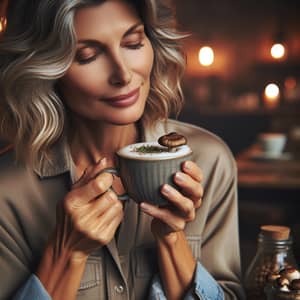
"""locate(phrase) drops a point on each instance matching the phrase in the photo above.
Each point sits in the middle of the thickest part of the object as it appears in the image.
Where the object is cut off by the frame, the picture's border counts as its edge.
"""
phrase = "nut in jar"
(284, 285)
(274, 253)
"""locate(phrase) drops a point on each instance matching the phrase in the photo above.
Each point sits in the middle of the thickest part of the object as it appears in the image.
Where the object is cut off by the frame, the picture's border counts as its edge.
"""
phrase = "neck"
(91, 141)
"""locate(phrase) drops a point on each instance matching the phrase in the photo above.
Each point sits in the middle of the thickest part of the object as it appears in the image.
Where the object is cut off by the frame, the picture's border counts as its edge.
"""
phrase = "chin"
(124, 118)
(127, 116)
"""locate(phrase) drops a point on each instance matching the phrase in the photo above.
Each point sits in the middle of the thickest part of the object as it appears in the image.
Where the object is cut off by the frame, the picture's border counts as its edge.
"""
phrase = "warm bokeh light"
(271, 95)
(291, 89)
(277, 51)
(206, 56)
(290, 83)
(2, 23)
(272, 91)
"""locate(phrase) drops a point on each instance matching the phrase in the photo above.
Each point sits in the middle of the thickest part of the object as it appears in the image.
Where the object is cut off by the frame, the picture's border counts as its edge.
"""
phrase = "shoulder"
(12, 173)
(209, 149)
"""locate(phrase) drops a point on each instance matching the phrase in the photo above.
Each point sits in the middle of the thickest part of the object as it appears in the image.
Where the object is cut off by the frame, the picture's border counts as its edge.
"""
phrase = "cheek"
(148, 63)
(85, 80)
(142, 61)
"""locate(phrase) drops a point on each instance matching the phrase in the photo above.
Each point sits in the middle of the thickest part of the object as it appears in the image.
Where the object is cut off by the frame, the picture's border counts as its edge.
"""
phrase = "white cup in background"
(272, 143)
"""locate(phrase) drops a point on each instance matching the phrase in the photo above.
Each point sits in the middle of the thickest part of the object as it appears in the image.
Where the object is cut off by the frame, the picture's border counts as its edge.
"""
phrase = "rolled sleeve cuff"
(205, 287)
(32, 289)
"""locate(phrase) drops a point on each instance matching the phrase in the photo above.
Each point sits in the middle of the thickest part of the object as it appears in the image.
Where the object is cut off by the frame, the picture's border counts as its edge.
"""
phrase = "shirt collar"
(60, 161)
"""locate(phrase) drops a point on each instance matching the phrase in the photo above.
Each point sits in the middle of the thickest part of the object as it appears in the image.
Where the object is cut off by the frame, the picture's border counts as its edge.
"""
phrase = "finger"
(114, 211)
(86, 219)
(90, 172)
(109, 231)
(80, 181)
(165, 215)
(100, 165)
(90, 191)
(98, 206)
(114, 223)
(192, 169)
(184, 205)
(188, 186)
(197, 202)
(93, 228)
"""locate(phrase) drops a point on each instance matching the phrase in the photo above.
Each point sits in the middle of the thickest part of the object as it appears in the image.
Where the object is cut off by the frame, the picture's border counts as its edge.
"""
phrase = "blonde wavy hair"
(36, 52)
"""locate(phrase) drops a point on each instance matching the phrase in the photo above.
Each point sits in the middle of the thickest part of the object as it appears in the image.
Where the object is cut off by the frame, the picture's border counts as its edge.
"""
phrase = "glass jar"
(274, 252)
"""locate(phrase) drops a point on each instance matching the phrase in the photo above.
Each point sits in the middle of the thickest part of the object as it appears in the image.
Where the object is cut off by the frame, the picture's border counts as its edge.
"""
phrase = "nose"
(121, 74)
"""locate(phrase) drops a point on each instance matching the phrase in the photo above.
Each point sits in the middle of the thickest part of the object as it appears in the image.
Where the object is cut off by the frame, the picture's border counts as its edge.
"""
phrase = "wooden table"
(254, 171)
(269, 193)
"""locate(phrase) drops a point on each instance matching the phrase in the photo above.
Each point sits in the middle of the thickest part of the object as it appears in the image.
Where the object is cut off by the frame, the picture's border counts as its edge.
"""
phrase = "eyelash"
(83, 61)
(138, 45)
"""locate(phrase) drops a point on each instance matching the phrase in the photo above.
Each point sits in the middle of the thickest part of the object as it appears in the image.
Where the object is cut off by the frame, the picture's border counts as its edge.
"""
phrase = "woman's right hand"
(90, 213)
(87, 219)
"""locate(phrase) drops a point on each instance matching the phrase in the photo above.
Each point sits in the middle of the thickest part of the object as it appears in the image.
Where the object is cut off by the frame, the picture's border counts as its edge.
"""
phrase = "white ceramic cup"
(272, 143)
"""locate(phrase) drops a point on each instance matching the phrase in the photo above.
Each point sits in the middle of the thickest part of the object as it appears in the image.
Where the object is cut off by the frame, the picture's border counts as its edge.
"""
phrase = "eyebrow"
(132, 28)
(128, 32)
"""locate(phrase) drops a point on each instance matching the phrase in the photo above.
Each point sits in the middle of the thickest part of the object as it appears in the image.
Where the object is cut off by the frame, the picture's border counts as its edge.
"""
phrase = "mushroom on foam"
(172, 141)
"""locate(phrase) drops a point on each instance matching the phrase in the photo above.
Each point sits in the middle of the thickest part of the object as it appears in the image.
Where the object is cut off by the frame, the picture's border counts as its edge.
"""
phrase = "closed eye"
(136, 46)
(87, 54)
(134, 40)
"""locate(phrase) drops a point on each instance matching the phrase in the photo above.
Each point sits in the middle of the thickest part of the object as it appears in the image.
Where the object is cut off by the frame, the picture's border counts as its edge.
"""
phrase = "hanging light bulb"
(206, 56)
(271, 95)
(278, 51)
(272, 91)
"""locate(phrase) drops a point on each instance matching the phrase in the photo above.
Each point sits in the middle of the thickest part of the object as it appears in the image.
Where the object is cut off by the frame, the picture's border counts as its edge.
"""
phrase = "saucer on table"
(271, 156)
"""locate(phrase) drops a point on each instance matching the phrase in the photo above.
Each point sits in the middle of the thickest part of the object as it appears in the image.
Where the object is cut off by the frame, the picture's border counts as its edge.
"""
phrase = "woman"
(79, 81)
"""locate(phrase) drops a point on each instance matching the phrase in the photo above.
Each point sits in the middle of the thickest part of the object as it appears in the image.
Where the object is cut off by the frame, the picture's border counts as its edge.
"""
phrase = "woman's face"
(109, 79)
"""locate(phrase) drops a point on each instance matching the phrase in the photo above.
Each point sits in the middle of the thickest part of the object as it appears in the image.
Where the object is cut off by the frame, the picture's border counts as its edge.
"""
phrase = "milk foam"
(130, 152)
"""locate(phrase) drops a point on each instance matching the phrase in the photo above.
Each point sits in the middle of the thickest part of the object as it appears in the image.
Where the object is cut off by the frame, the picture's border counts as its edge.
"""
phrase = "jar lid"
(275, 232)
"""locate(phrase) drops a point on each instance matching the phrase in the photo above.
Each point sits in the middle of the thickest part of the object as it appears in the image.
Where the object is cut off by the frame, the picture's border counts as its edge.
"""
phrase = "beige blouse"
(124, 268)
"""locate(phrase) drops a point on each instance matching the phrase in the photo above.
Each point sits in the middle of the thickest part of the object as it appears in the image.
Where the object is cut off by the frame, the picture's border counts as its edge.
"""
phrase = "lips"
(124, 96)
(124, 99)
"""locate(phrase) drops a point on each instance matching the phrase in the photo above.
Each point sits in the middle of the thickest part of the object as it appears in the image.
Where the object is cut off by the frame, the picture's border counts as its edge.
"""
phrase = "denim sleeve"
(204, 287)
(32, 289)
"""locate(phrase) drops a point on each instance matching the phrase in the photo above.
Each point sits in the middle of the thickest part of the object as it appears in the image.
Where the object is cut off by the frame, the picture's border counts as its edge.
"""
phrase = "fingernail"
(166, 189)
(187, 165)
(103, 161)
(144, 207)
(84, 173)
(179, 177)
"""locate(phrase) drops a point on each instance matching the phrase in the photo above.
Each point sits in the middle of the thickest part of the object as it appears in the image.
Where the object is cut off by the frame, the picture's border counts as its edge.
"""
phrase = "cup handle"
(123, 197)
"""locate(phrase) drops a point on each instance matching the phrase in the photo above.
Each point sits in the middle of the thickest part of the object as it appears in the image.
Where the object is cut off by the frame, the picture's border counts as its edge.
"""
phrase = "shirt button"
(119, 289)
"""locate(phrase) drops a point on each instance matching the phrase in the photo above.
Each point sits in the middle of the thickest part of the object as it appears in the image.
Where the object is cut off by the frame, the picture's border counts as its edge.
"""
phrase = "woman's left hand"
(183, 201)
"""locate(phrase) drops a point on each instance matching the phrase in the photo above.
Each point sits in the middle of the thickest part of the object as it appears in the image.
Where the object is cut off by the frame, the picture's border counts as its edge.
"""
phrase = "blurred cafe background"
(242, 80)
